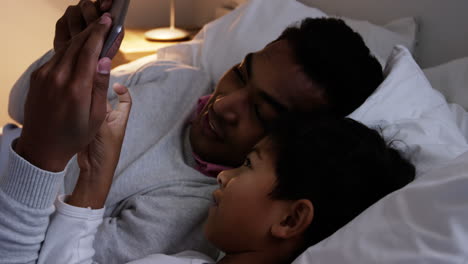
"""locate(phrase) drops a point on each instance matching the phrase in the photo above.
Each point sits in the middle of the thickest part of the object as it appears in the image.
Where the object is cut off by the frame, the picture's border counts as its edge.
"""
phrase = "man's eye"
(239, 74)
(247, 163)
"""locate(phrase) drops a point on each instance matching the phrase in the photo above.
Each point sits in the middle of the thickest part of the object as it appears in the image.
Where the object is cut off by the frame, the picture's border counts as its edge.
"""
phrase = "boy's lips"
(216, 197)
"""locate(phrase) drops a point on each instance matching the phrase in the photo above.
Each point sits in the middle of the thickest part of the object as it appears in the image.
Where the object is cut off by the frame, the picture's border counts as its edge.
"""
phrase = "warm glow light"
(166, 34)
(170, 33)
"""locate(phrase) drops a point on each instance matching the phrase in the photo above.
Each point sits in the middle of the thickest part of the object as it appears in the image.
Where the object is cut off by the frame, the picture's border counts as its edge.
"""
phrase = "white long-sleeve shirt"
(80, 226)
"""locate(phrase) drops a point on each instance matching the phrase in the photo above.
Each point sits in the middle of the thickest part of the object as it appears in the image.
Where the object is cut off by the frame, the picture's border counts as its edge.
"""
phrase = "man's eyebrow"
(269, 99)
(279, 107)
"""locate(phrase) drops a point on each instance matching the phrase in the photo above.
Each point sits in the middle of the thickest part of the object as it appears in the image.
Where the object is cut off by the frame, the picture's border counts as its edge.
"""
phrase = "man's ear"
(295, 221)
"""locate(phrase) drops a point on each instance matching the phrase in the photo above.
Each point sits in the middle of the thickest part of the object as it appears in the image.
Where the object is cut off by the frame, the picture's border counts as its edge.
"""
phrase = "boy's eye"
(247, 163)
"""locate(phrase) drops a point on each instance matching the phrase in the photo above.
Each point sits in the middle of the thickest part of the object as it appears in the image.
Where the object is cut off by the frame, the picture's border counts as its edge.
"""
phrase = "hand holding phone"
(118, 13)
(76, 19)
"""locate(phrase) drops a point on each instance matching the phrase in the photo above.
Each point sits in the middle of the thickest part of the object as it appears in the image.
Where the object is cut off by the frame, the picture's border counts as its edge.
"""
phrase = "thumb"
(102, 76)
(100, 86)
(125, 100)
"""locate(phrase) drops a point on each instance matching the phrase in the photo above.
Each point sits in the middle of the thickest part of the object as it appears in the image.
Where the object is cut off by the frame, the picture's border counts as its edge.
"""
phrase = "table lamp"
(170, 33)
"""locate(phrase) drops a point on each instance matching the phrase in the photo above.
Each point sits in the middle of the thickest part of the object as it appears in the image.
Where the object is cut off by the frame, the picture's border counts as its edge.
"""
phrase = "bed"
(422, 103)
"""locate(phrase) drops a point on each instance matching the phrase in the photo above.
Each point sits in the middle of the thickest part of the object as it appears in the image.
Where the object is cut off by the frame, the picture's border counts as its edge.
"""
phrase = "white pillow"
(451, 79)
(425, 222)
(461, 117)
(225, 41)
(410, 111)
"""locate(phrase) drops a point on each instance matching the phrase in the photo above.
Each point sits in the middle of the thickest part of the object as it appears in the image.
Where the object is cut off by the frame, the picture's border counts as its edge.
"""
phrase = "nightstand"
(135, 45)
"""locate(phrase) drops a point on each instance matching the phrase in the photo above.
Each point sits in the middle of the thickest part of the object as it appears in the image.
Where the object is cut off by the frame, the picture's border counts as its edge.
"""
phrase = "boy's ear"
(295, 221)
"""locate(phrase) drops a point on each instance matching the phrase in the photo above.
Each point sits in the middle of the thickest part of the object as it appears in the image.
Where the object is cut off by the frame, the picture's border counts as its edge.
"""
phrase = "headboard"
(443, 24)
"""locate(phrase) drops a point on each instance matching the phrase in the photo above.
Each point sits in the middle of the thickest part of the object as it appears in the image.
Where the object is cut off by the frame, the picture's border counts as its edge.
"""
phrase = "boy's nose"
(221, 179)
(224, 177)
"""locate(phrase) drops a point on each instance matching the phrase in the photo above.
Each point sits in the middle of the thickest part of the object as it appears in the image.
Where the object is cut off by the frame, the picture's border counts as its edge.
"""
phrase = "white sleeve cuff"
(71, 233)
(77, 212)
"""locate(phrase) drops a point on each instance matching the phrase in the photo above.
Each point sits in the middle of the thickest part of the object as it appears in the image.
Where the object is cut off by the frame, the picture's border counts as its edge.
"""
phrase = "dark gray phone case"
(118, 12)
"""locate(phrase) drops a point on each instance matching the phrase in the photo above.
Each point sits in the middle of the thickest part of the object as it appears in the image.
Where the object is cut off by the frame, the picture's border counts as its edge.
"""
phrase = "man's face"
(243, 213)
(247, 98)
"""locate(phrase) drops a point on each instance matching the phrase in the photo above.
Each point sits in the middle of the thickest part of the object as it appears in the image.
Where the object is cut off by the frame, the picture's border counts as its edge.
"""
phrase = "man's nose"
(231, 106)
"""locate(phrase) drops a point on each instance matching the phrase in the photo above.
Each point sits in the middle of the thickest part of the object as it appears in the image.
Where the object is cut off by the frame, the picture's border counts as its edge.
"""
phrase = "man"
(160, 193)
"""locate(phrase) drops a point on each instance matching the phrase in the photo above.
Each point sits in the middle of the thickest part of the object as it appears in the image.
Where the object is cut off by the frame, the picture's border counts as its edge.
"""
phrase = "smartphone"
(118, 12)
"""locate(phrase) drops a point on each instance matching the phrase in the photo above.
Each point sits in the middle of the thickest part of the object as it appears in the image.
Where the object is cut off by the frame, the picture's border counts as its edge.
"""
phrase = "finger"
(80, 63)
(78, 42)
(85, 49)
(99, 93)
(49, 67)
(125, 99)
(99, 101)
(70, 55)
(75, 21)
(62, 34)
(89, 11)
(105, 5)
(109, 107)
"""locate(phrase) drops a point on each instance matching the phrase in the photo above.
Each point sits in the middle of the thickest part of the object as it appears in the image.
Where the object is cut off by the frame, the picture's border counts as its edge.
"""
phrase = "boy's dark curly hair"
(339, 164)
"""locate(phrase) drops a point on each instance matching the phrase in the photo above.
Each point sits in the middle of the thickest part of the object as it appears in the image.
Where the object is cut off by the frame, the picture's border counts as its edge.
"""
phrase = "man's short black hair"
(339, 164)
(337, 60)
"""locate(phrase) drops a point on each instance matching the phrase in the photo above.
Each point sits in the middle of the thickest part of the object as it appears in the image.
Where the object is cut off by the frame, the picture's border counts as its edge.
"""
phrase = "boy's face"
(243, 212)
(247, 98)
